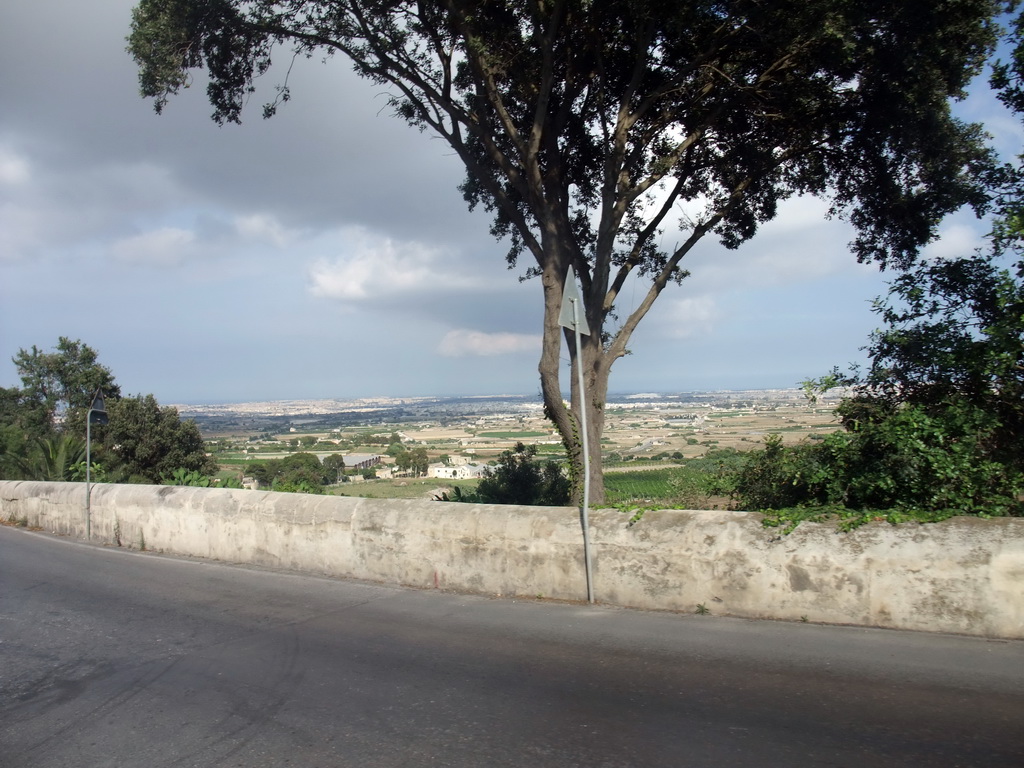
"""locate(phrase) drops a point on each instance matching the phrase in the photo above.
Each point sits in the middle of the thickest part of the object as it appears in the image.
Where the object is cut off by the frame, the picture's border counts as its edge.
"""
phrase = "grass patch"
(513, 435)
(233, 461)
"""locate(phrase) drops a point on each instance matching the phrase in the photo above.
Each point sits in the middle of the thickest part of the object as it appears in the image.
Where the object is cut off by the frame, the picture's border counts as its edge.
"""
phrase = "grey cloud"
(333, 155)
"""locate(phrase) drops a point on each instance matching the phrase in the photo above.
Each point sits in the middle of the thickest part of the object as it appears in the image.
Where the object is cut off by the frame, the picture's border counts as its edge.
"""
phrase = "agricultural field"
(657, 435)
(639, 432)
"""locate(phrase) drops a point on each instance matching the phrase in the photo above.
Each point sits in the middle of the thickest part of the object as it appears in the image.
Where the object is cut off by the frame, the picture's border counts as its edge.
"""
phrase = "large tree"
(584, 126)
(43, 431)
(58, 387)
(954, 334)
(146, 442)
(933, 427)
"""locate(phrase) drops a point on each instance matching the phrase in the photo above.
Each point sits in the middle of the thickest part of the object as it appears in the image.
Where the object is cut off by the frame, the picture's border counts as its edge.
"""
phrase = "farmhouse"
(460, 472)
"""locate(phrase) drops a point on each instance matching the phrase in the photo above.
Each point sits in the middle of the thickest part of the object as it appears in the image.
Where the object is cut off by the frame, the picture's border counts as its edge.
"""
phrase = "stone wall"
(964, 575)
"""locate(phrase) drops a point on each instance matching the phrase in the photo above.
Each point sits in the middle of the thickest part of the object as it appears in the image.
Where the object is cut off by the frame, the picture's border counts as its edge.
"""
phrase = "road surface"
(117, 658)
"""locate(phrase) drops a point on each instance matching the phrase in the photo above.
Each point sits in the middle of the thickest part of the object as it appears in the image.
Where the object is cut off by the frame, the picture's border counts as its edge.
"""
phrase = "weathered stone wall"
(963, 575)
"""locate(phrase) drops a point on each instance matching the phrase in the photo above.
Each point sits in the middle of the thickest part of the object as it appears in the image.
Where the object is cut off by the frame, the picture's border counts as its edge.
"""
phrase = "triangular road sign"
(572, 306)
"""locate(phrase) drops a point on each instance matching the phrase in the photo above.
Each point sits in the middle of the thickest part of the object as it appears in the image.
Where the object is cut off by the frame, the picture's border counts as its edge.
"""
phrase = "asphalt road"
(114, 658)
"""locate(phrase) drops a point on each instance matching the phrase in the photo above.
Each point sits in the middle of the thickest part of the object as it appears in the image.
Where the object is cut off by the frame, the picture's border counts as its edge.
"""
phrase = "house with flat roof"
(458, 472)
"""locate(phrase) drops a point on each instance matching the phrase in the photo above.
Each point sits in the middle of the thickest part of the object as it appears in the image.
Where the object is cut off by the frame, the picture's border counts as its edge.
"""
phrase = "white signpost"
(571, 316)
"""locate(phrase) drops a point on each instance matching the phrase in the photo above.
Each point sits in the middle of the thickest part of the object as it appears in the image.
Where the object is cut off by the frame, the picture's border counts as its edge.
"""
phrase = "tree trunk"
(595, 369)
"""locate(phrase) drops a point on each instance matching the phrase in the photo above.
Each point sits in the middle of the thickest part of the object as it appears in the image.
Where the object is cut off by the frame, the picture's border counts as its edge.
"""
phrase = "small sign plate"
(572, 306)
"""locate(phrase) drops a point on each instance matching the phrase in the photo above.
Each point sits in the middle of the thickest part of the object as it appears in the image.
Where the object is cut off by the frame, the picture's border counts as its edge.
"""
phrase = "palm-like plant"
(53, 459)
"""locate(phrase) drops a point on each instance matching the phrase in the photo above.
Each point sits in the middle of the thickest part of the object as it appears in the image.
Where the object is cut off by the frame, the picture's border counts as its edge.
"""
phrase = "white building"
(460, 472)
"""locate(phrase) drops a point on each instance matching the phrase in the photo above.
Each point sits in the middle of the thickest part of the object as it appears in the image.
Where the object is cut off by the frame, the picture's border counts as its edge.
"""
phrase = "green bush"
(517, 479)
(909, 459)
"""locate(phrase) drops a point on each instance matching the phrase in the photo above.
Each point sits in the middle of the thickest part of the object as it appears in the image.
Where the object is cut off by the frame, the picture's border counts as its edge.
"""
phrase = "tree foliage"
(954, 334)
(585, 128)
(13, 437)
(416, 461)
(297, 473)
(57, 387)
(334, 467)
(147, 443)
(188, 477)
(933, 426)
(517, 478)
(911, 459)
(43, 430)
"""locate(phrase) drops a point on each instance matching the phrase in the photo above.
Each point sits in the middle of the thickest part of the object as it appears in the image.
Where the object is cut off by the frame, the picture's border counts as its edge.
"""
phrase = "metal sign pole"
(97, 411)
(88, 463)
(586, 451)
(570, 317)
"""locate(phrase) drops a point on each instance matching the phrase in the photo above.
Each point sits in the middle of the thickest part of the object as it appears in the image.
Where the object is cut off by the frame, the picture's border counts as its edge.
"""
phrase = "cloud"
(14, 169)
(466, 343)
(52, 207)
(167, 246)
(690, 317)
(801, 245)
(265, 228)
(376, 266)
(20, 231)
(334, 198)
(955, 240)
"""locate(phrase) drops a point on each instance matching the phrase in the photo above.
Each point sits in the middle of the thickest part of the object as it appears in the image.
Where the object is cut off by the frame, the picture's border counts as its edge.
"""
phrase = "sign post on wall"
(97, 415)
(571, 316)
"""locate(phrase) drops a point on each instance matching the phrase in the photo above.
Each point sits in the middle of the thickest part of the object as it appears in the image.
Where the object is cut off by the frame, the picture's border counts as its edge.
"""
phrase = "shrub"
(909, 459)
(517, 479)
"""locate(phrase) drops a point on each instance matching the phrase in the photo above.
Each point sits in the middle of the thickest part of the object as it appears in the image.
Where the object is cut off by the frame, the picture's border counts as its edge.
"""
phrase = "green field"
(513, 435)
(648, 485)
(703, 483)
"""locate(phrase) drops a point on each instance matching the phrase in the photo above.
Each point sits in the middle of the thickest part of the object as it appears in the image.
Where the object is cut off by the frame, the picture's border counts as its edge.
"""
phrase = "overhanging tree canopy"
(584, 125)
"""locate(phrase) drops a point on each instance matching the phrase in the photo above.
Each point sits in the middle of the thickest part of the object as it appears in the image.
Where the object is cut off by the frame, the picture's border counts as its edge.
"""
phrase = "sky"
(327, 252)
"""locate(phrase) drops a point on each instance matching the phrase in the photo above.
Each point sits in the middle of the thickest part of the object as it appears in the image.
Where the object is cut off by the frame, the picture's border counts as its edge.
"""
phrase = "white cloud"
(798, 214)
(690, 317)
(466, 343)
(955, 240)
(263, 227)
(374, 266)
(21, 222)
(167, 246)
(20, 231)
(14, 169)
(799, 246)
